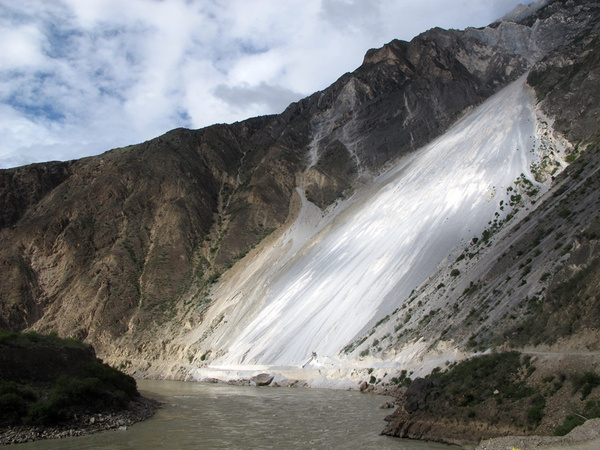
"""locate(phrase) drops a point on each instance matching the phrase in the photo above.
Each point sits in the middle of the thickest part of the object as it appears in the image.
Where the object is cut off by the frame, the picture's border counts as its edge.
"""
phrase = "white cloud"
(20, 46)
(81, 77)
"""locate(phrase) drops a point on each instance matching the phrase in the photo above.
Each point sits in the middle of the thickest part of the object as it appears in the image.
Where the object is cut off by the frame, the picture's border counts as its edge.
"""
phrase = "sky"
(79, 77)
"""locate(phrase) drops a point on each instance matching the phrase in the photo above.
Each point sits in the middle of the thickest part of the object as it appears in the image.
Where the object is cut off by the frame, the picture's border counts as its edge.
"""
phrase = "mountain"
(440, 199)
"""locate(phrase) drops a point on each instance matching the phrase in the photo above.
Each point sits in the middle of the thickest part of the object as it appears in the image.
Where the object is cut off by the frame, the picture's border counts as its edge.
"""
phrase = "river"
(217, 416)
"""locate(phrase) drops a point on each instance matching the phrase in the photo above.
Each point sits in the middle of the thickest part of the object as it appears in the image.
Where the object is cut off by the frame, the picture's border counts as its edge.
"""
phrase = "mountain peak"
(389, 51)
(521, 11)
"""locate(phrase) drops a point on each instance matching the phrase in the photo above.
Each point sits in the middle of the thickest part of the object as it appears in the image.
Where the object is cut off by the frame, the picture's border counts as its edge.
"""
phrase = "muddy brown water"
(217, 416)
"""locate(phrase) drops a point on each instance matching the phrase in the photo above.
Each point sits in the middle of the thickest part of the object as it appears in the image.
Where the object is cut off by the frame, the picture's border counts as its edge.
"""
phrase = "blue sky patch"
(62, 43)
(36, 111)
(72, 69)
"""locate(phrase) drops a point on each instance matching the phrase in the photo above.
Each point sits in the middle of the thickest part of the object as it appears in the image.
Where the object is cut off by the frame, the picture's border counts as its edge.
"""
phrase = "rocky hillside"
(126, 250)
(531, 278)
(501, 394)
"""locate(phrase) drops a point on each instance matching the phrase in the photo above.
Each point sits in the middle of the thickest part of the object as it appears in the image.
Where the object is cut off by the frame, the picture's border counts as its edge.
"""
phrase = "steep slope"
(110, 245)
(360, 265)
(531, 277)
(124, 249)
(533, 286)
(368, 254)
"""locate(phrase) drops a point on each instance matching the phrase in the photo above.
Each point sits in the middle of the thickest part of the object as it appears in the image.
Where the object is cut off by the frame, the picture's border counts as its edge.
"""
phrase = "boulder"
(263, 379)
(386, 405)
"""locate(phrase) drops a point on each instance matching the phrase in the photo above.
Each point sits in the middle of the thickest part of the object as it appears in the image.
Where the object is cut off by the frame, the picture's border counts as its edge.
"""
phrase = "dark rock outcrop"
(568, 87)
(417, 394)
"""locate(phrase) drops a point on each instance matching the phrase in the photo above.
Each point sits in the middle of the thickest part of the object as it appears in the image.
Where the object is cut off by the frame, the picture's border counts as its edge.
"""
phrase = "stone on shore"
(263, 379)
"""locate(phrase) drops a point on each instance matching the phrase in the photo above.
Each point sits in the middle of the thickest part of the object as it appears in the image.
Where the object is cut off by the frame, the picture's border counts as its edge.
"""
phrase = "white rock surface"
(299, 301)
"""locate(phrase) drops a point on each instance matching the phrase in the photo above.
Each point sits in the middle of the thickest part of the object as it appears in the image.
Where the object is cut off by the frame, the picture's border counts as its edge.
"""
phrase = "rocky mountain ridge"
(126, 249)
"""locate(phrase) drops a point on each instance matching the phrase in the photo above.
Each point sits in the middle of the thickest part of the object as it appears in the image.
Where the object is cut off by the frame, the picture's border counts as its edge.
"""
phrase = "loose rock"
(263, 379)
(386, 405)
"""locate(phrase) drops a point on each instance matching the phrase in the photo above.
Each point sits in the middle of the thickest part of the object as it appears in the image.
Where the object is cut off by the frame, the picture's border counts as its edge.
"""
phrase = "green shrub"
(570, 422)
(585, 383)
(6, 336)
(114, 378)
(590, 411)
(518, 391)
(45, 413)
(12, 407)
(473, 381)
(8, 387)
(535, 413)
(402, 380)
(97, 388)
(35, 339)
(68, 391)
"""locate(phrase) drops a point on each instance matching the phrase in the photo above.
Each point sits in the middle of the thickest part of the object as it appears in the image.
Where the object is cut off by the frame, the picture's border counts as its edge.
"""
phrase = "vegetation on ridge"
(493, 386)
(34, 391)
(498, 392)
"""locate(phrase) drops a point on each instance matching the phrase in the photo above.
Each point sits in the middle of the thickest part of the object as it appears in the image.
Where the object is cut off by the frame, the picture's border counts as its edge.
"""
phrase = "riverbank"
(52, 388)
(139, 409)
(584, 437)
(532, 396)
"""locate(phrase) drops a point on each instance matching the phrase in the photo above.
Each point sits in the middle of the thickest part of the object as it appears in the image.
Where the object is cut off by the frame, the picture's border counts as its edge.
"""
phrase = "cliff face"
(123, 247)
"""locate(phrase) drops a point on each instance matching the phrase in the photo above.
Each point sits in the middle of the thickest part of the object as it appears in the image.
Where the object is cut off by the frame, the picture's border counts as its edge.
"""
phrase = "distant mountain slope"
(122, 249)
